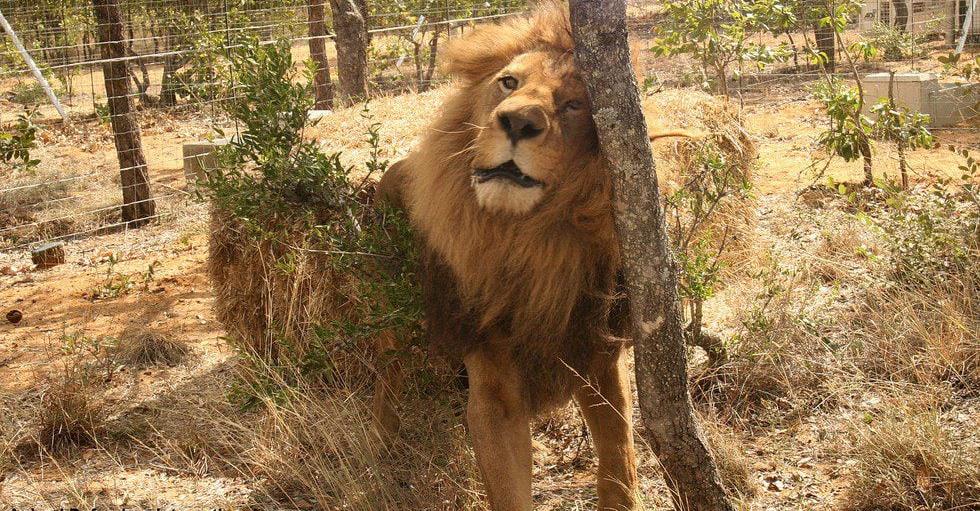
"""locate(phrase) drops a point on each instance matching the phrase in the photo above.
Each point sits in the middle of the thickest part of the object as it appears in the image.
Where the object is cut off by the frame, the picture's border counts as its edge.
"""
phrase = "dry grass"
(302, 447)
(322, 448)
(910, 459)
(927, 336)
(272, 292)
(10, 434)
(148, 348)
(733, 466)
(71, 413)
(311, 437)
(777, 366)
(680, 167)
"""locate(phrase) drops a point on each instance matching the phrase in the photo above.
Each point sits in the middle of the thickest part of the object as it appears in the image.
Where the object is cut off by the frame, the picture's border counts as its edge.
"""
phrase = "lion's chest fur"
(542, 288)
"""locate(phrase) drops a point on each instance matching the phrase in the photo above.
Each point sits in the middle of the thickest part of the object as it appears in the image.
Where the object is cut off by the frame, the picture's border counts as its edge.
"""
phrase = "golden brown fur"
(520, 281)
(524, 275)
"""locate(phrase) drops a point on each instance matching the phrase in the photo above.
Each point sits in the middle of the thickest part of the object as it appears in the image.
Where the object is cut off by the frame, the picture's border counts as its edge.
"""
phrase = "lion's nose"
(522, 124)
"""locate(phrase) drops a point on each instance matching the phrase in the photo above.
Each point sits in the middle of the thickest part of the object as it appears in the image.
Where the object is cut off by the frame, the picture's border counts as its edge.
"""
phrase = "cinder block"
(316, 115)
(199, 158)
(48, 255)
(912, 90)
(946, 103)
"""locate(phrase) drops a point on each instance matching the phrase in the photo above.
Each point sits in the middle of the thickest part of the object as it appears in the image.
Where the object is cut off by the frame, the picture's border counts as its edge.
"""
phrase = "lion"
(520, 268)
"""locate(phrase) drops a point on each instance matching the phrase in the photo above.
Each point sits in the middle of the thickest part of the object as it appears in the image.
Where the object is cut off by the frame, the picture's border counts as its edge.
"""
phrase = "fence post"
(138, 206)
(350, 27)
(33, 66)
(318, 52)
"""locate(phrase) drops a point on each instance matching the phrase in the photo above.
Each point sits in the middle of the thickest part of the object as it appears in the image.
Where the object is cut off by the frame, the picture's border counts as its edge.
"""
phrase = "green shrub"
(933, 235)
(27, 93)
(311, 230)
(17, 144)
(894, 43)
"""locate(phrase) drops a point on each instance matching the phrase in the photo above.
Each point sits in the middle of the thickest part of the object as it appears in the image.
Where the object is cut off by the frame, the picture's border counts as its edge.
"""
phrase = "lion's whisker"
(458, 132)
(470, 147)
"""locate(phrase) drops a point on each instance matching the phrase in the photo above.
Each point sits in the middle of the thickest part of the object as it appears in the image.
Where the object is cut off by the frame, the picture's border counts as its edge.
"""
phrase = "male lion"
(511, 199)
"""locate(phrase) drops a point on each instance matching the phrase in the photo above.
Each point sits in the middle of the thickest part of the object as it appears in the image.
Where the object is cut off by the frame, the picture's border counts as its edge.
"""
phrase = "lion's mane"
(544, 283)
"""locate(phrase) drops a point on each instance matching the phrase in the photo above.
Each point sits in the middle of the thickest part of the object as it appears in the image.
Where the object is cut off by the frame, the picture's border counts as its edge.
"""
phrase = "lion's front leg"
(499, 425)
(387, 389)
(606, 403)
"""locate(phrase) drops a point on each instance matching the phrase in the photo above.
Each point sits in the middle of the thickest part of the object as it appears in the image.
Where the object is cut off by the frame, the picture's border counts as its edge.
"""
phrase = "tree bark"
(431, 69)
(350, 26)
(318, 52)
(901, 14)
(138, 206)
(826, 44)
(602, 55)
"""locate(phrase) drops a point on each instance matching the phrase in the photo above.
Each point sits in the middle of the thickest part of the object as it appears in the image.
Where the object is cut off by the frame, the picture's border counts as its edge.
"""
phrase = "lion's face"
(535, 124)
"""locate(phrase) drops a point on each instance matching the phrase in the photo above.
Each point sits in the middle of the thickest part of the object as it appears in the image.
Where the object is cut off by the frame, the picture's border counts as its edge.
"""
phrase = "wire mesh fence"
(172, 51)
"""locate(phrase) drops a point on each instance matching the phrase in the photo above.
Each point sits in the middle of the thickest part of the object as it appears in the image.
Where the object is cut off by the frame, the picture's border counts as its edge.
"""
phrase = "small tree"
(849, 133)
(350, 25)
(780, 18)
(602, 54)
(909, 130)
(138, 206)
(713, 31)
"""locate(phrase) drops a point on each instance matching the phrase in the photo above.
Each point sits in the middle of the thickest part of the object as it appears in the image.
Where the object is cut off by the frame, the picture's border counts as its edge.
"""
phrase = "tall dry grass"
(301, 446)
(909, 458)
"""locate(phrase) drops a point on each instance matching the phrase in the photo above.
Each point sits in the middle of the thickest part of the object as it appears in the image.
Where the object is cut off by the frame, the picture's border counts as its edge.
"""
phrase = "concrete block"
(955, 103)
(947, 104)
(912, 90)
(316, 115)
(48, 255)
(199, 158)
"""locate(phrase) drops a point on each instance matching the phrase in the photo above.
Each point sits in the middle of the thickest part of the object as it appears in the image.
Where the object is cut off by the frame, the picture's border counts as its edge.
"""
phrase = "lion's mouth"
(508, 171)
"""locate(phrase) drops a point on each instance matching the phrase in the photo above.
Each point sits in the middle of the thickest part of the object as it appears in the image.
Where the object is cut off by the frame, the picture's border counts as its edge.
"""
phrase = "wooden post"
(318, 52)
(603, 59)
(350, 27)
(138, 206)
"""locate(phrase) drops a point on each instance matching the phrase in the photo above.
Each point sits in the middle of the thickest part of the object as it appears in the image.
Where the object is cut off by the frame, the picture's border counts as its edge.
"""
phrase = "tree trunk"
(138, 206)
(431, 69)
(825, 38)
(602, 54)
(903, 166)
(168, 84)
(864, 145)
(901, 14)
(318, 52)
(350, 26)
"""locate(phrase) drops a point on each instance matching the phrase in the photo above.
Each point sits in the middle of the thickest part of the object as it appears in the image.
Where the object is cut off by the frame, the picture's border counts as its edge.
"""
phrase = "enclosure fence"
(169, 50)
(163, 55)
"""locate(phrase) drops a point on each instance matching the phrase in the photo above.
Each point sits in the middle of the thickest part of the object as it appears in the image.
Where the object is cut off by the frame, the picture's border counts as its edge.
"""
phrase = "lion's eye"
(508, 83)
(571, 106)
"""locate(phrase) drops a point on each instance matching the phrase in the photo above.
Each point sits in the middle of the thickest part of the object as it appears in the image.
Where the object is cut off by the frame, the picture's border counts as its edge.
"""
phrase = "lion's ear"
(485, 50)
